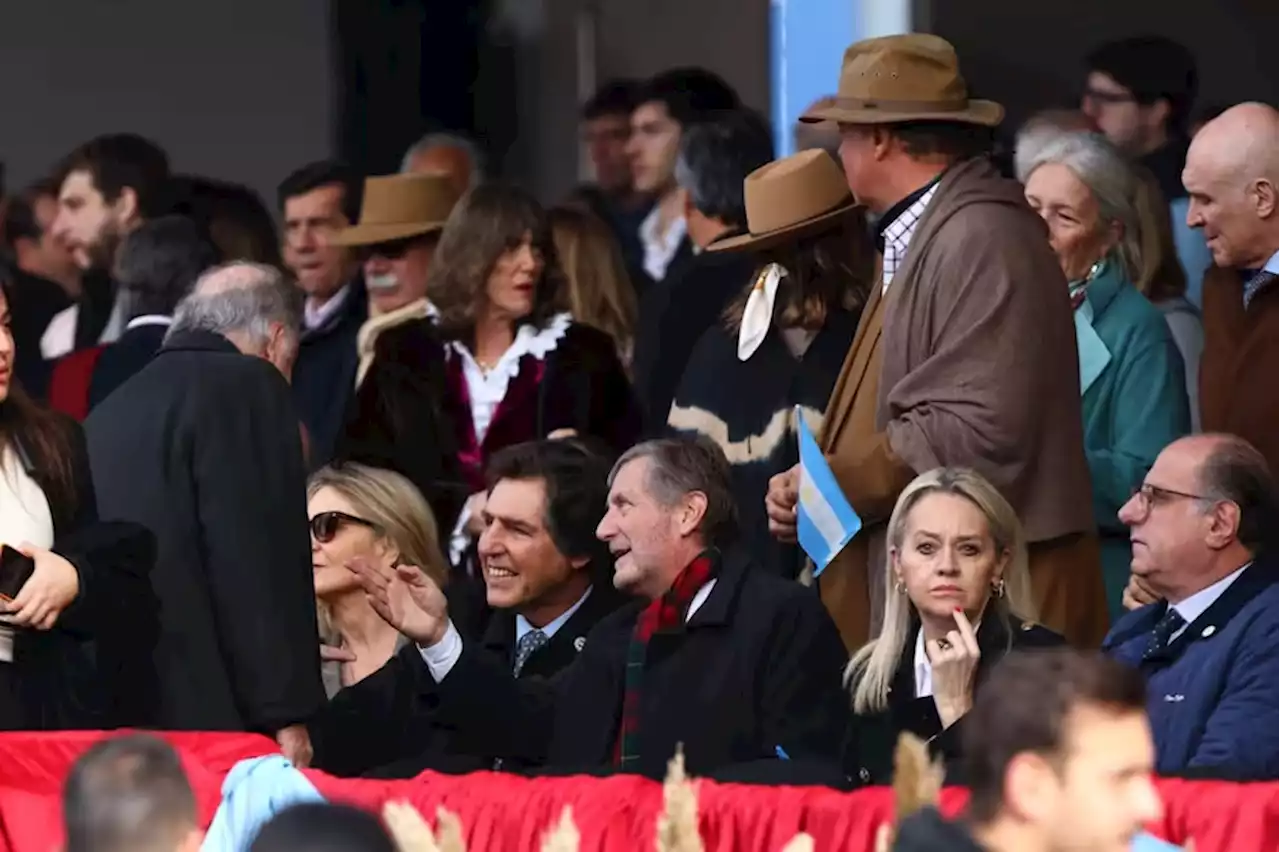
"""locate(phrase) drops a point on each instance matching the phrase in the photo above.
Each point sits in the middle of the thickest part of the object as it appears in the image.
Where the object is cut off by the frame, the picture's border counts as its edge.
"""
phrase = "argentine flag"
(824, 519)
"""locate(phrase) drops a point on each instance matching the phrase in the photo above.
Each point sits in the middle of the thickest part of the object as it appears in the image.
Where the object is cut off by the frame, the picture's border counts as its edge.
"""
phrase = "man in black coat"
(547, 582)
(156, 266)
(203, 447)
(736, 665)
(715, 158)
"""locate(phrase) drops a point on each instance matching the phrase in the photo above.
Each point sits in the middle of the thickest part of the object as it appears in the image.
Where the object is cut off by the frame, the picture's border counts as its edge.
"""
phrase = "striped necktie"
(1259, 281)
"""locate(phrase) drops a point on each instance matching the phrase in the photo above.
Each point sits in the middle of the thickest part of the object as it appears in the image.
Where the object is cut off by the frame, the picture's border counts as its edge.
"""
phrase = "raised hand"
(780, 504)
(954, 659)
(406, 598)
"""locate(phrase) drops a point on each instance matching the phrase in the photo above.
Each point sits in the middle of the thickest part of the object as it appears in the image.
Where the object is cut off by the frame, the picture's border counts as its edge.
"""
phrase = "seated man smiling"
(547, 584)
(737, 665)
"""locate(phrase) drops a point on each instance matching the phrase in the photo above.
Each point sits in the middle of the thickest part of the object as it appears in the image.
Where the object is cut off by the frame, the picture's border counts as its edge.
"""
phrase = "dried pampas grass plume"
(564, 836)
(678, 822)
(800, 843)
(917, 782)
(412, 834)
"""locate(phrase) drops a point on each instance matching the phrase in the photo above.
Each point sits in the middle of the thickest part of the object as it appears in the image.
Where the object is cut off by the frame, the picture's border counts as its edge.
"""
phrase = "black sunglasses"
(325, 525)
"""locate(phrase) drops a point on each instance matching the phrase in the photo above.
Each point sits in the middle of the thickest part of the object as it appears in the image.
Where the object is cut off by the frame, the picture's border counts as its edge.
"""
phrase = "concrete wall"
(1028, 54)
(238, 89)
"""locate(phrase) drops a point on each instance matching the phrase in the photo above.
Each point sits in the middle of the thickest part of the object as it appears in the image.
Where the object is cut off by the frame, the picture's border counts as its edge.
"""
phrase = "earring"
(998, 588)
(900, 587)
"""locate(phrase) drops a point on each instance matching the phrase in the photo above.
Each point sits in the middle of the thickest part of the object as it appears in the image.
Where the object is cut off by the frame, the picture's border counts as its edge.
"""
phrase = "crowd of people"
(444, 479)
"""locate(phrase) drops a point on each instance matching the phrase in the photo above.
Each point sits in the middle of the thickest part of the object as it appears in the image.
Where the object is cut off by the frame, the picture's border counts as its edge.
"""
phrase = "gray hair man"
(252, 305)
(715, 158)
(740, 666)
(130, 794)
(202, 447)
(451, 154)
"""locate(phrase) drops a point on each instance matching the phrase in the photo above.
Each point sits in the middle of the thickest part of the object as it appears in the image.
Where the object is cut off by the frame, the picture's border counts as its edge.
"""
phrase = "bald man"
(449, 154)
(1203, 532)
(1231, 178)
(202, 447)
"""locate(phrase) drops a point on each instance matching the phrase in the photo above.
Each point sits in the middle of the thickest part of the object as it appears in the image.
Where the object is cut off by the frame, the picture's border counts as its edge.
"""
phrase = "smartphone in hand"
(15, 569)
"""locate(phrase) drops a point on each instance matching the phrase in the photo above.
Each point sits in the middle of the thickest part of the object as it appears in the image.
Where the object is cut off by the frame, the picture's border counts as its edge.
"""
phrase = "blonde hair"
(389, 500)
(597, 290)
(872, 668)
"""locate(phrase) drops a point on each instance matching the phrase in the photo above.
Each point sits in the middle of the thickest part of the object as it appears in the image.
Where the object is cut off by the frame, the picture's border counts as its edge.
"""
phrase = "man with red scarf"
(736, 665)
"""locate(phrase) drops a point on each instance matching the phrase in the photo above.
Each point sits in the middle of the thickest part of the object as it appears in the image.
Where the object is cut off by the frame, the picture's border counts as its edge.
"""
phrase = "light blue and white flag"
(825, 522)
(1150, 843)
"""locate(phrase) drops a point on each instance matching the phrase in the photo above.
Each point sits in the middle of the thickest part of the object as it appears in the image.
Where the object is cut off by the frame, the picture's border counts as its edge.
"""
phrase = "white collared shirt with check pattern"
(897, 234)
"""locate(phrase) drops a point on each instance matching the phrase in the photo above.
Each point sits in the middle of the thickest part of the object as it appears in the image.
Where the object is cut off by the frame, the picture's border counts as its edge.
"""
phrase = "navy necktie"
(529, 642)
(1168, 625)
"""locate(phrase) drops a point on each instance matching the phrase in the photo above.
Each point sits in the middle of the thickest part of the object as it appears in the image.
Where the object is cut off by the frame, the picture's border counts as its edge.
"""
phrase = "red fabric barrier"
(506, 813)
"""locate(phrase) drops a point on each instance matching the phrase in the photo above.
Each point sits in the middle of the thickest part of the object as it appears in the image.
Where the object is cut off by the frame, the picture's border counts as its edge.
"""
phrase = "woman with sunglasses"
(360, 512)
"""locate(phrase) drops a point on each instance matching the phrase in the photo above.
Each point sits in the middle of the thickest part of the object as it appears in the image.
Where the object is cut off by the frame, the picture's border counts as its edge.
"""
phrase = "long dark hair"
(41, 439)
(488, 221)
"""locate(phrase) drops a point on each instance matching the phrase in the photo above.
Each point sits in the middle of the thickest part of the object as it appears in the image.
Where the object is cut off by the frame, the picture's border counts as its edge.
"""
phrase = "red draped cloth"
(507, 813)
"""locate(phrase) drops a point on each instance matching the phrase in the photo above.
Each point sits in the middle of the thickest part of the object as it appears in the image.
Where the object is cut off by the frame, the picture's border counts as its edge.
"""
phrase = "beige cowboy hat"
(396, 207)
(913, 77)
(789, 198)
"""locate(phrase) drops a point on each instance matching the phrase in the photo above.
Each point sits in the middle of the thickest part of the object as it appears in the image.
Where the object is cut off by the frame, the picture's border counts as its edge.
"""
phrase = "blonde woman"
(960, 601)
(597, 290)
(360, 512)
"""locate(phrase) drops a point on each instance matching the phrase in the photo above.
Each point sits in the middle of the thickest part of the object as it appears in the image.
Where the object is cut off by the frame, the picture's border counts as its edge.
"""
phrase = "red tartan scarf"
(666, 613)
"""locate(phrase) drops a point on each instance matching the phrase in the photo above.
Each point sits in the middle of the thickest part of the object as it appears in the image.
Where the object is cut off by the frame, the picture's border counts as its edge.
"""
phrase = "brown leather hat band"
(958, 105)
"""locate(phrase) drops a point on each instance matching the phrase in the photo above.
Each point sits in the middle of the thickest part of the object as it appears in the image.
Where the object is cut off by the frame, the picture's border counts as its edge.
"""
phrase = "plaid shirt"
(897, 234)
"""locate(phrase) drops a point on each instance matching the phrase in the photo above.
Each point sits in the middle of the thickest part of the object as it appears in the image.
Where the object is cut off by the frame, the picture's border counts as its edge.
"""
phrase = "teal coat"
(1132, 410)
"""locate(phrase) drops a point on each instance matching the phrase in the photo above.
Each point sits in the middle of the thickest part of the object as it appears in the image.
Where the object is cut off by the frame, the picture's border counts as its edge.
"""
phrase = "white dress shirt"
(1195, 605)
(443, 656)
(316, 316)
(660, 249)
(523, 627)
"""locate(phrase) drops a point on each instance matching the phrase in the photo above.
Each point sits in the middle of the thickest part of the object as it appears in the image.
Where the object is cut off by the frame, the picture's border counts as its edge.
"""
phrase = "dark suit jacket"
(324, 378)
(674, 314)
(202, 446)
(1212, 693)
(872, 738)
(390, 725)
(119, 361)
(756, 668)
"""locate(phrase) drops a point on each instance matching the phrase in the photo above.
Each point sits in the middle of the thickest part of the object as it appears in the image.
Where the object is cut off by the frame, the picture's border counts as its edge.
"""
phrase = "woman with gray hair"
(1132, 389)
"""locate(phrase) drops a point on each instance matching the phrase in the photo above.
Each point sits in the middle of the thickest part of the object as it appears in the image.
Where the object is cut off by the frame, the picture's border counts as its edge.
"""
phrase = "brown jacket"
(979, 370)
(1238, 372)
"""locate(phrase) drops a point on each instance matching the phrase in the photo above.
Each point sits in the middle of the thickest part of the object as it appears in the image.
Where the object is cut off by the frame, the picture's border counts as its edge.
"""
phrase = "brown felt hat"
(396, 207)
(913, 77)
(789, 198)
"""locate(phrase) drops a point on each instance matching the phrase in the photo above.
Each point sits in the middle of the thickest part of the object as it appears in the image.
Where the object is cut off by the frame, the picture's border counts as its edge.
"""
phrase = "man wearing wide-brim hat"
(401, 217)
(965, 355)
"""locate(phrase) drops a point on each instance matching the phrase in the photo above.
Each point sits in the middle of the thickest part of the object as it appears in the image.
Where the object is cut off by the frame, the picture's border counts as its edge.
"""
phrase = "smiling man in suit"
(547, 582)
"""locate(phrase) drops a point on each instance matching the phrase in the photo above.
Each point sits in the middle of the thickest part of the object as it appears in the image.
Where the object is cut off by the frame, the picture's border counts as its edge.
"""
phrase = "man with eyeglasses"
(1203, 625)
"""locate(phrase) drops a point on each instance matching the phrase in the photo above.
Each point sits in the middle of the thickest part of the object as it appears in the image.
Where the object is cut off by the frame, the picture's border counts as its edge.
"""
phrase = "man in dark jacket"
(715, 158)
(547, 582)
(1058, 755)
(1203, 532)
(156, 267)
(736, 665)
(316, 202)
(202, 446)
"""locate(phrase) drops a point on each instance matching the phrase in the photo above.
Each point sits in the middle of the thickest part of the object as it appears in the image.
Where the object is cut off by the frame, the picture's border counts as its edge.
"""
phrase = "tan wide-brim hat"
(913, 77)
(789, 199)
(396, 207)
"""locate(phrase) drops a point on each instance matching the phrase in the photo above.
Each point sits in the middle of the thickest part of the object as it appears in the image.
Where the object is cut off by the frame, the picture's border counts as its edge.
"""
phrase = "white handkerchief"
(758, 314)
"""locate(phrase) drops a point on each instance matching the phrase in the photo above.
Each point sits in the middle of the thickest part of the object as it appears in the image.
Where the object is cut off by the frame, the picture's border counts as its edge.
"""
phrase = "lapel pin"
(579, 642)
(1208, 631)
(1175, 698)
